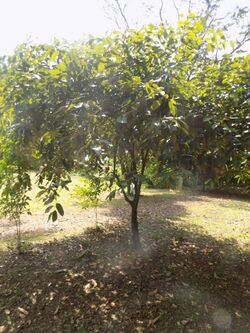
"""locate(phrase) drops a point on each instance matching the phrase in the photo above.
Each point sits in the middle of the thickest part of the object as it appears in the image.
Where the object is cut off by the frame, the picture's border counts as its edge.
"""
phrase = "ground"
(192, 276)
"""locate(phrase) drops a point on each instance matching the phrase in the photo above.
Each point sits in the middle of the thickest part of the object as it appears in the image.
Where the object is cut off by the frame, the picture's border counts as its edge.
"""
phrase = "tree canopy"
(114, 105)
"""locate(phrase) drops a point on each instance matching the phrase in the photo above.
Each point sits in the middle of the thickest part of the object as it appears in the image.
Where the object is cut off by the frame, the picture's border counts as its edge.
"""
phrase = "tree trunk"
(135, 227)
(18, 235)
(96, 219)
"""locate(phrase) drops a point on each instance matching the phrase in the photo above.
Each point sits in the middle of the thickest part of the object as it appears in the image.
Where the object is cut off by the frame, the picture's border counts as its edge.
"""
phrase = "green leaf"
(101, 67)
(182, 125)
(40, 193)
(64, 183)
(150, 91)
(59, 208)
(48, 209)
(136, 79)
(198, 26)
(155, 105)
(172, 106)
(192, 15)
(54, 55)
(210, 47)
(111, 195)
(232, 43)
(54, 216)
(50, 199)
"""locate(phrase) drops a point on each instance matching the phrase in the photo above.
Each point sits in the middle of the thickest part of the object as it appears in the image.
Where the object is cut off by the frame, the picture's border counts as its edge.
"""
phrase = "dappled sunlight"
(222, 319)
(159, 192)
(105, 146)
(185, 279)
(38, 224)
(219, 216)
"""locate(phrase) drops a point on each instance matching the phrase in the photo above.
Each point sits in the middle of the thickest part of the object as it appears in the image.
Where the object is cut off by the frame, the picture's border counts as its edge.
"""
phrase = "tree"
(132, 114)
(115, 104)
(135, 77)
(35, 135)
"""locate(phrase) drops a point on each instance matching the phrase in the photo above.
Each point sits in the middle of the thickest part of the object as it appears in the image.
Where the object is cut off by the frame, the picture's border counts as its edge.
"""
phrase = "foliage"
(89, 193)
(33, 89)
(170, 178)
(112, 106)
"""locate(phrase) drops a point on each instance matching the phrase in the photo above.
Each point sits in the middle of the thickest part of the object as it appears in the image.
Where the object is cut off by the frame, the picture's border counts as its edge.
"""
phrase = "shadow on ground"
(185, 280)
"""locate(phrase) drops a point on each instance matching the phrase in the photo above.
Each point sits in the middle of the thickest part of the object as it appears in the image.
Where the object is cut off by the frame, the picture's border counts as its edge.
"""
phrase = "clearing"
(193, 275)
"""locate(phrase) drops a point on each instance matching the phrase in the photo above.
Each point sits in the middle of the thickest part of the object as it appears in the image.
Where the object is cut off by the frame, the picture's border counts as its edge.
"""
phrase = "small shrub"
(89, 194)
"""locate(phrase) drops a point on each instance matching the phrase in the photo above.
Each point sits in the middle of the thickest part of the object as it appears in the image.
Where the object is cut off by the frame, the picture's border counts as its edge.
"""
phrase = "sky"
(44, 20)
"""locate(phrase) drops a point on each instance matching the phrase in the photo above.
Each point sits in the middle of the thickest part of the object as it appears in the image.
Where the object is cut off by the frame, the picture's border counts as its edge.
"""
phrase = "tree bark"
(135, 227)
(96, 219)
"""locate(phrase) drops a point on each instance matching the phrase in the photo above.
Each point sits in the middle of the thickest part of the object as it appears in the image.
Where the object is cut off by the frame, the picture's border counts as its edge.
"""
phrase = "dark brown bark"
(135, 227)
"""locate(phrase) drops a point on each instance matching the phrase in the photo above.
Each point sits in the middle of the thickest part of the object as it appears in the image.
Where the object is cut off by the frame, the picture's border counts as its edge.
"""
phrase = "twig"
(110, 17)
(244, 40)
(122, 13)
(221, 18)
(176, 8)
(160, 12)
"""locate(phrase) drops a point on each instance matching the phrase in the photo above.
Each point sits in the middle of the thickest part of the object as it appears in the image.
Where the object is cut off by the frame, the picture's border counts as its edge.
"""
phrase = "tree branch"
(144, 160)
(123, 191)
(122, 13)
(244, 40)
(176, 8)
(160, 12)
(111, 17)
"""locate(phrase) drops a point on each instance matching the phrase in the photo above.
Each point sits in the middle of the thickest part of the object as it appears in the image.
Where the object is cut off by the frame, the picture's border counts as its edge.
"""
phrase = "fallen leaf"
(56, 310)
(152, 322)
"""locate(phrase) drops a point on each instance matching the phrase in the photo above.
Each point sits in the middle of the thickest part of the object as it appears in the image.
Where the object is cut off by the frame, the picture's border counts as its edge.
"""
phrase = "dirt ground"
(37, 224)
(192, 276)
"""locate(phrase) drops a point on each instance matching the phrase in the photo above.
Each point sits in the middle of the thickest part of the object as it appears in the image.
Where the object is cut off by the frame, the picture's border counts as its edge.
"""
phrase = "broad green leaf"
(101, 67)
(232, 43)
(111, 195)
(136, 79)
(150, 91)
(172, 106)
(59, 208)
(54, 216)
(48, 209)
(54, 55)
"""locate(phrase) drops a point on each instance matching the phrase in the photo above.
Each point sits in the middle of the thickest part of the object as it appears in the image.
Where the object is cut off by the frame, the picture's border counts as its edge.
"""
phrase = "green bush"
(170, 178)
(87, 194)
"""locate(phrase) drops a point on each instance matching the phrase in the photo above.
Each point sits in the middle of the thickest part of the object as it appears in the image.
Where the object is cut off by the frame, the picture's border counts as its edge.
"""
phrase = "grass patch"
(221, 218)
